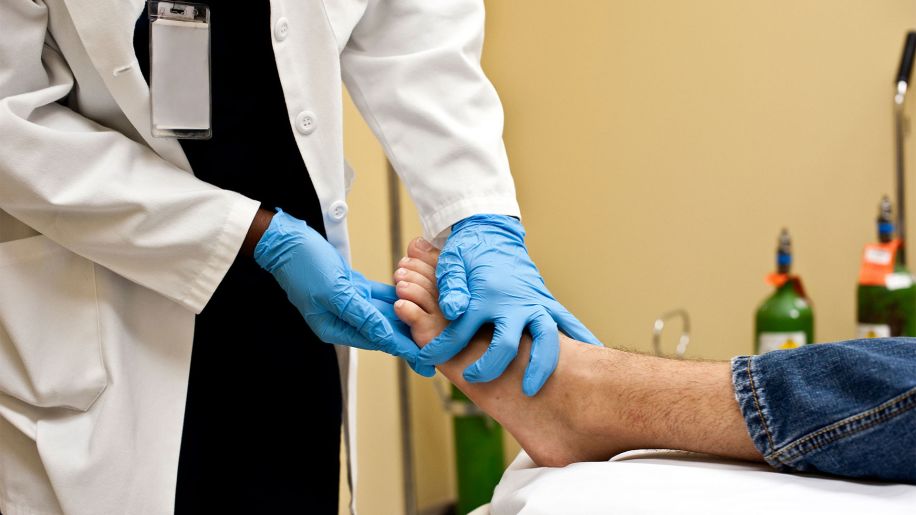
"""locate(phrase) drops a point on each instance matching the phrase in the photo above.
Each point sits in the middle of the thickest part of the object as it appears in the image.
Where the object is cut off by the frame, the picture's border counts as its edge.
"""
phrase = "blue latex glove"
(322, 286)
(383, 297)
(486, 276)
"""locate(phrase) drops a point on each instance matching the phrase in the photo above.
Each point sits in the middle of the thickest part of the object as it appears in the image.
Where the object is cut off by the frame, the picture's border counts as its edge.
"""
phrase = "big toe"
(424, 251)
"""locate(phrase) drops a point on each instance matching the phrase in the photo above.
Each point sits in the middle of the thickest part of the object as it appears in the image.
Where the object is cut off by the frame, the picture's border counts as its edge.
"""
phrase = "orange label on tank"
(878, 262)
(777, 279)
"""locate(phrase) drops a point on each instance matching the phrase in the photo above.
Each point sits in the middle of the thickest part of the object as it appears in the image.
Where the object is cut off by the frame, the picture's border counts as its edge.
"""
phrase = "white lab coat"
(109, 245)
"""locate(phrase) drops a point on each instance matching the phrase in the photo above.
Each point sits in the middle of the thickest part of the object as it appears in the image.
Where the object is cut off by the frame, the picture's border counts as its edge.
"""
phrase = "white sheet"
(652, 481)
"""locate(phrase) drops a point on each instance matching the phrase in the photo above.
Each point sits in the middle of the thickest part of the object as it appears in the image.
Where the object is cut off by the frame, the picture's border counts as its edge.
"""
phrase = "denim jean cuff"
(751, 397)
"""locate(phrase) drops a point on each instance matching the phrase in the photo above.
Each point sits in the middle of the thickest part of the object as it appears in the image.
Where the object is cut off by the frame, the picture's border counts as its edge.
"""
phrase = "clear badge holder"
(180, 70)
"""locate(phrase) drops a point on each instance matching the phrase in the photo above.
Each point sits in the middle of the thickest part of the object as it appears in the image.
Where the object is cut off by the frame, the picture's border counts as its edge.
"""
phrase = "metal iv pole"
(397, 250)
(900, 128)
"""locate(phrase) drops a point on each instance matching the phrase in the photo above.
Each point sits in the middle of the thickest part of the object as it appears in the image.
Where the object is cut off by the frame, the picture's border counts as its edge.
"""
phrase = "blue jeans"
(846, 408)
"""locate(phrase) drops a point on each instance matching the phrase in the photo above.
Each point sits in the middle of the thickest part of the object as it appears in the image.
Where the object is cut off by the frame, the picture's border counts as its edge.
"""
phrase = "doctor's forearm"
(258, 226)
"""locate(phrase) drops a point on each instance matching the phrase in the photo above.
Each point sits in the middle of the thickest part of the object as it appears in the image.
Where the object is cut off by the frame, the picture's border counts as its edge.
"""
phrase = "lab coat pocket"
(50, 340)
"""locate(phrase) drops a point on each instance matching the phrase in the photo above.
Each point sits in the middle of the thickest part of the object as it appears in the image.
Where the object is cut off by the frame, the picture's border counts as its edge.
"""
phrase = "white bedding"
(653, 481)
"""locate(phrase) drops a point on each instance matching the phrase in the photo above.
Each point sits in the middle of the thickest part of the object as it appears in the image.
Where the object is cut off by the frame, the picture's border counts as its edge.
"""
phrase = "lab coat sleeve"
(413, 69)
(97, 192)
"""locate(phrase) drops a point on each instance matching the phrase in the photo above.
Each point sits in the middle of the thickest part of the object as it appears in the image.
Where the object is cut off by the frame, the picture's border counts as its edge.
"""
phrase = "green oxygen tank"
(479, 456)
(886, 295)
(785, 319)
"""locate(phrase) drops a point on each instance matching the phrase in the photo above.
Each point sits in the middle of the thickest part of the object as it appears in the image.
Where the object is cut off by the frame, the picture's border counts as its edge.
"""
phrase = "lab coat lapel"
(106, 28)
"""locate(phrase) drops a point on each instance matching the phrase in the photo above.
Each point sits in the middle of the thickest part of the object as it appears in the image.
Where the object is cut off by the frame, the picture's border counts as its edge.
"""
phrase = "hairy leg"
(599, 401)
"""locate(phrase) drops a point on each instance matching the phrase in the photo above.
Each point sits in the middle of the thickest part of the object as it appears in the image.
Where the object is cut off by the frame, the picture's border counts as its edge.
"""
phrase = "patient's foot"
(599, 401)
(415, 282)
(552, 426)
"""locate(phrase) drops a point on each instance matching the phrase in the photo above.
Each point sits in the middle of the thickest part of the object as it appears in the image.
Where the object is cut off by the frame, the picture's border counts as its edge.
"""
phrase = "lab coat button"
(338, 210)
(281, 29)
(305, 122)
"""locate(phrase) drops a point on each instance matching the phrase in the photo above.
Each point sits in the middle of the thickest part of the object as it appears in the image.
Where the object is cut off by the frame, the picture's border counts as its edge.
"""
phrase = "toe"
(409, 313)
(418, 295)
(424, 251)
(422, 268)
(404, 274)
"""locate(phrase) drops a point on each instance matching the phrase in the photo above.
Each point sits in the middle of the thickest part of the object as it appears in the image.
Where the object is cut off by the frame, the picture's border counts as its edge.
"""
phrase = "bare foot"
(554, 427)
(598, 402)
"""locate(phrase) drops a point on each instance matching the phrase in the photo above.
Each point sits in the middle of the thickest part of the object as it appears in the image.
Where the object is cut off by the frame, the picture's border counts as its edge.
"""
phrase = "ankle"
(600, 413)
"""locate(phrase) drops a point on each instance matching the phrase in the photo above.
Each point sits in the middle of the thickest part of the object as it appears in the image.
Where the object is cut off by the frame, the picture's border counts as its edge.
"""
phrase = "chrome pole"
(900, 130)
(900, 175)
(397, 251)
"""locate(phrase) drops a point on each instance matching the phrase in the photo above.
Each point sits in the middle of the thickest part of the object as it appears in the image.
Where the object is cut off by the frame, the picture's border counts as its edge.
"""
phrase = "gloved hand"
(321, 285)
(486, 276)
(383, 297)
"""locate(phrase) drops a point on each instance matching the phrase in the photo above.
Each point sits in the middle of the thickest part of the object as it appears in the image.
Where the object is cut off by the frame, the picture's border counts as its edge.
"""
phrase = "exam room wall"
(658, 148)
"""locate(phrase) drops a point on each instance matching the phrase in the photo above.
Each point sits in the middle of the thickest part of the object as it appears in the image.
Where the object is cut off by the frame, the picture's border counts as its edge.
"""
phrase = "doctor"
(121, 251)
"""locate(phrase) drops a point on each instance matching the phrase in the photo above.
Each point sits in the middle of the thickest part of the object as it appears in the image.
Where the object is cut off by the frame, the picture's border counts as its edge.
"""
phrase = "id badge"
(180, 70)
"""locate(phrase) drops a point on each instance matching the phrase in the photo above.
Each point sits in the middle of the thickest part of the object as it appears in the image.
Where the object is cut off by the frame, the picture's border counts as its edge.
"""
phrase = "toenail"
(423, 245)
(400, 272)
(399, 303)
(404, 260)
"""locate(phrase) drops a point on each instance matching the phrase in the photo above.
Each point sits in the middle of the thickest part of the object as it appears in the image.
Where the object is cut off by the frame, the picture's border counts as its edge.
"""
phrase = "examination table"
(664, 481)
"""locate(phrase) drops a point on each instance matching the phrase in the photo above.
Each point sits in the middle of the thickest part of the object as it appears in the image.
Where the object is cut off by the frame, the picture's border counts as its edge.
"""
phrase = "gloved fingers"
(359, 282)
(423, 370)
(451, 278)
(405, 348)
(373, 289)
(387, 310)
(452, 340)
(400, 328)
(545, 352)
(383, 292)
(502, 350)
(331, 329)
(359, 313)
(571, 325)
(403, 339)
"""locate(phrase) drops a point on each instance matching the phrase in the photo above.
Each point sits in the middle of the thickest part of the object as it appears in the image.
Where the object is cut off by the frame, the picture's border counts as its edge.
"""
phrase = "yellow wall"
(658, 147)
(684, 135)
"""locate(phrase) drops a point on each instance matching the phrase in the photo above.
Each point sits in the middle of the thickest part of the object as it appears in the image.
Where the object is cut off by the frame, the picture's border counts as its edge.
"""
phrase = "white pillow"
(664, 481)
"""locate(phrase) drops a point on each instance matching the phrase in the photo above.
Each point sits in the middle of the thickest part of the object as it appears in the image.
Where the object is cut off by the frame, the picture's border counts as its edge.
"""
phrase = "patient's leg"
(599, 401)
